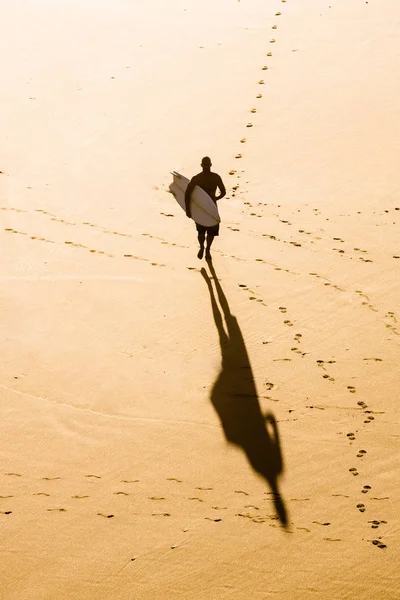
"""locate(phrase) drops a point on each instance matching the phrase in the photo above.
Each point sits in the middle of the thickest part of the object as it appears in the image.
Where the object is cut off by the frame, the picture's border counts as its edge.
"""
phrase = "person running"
(209, 182)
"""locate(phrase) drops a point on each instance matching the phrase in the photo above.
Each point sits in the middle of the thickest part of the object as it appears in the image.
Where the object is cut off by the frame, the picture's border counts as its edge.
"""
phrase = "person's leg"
(210, 239)
(201, 237)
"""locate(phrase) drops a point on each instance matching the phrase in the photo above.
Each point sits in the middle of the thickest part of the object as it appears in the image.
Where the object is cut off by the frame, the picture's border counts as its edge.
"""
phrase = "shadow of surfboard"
(235, 399)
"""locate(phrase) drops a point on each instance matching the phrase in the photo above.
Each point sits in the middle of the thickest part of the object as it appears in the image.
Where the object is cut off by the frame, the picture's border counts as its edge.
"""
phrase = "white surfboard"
(203, 208)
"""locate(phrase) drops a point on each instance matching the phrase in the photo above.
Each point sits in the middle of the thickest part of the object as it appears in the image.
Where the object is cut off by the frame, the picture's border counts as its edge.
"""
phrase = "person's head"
(206, 163)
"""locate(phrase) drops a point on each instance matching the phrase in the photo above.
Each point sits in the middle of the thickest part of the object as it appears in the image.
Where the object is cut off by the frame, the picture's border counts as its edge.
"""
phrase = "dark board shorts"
(213, 230)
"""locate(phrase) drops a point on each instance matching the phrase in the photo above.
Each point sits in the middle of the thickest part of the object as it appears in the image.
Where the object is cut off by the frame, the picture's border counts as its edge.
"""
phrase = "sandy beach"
(180, 429)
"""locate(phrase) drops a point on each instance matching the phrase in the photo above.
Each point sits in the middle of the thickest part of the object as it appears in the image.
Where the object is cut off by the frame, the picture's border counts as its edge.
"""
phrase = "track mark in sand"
(120, 494)
(219, 507)
(13, 474)
(155, 237)
(105, 516)
(57, 220)
(339, 496)
(5, 512)
(174, 479)
(323, 524)
(136, 257)
(204, 489)
(383, 498)
(50, 478)
(56, 510)
(332, 539)
(166, 214)
(40, 494)
(122, 480)
(94, 476)
(17, 210)
(156, 498)
(241, 492)
(198, 499)
(299, 499)
(76, 245)
(5, 497)
(79, 497)
(211, 519)
(160, 514)
(375, 359)
(32, 237)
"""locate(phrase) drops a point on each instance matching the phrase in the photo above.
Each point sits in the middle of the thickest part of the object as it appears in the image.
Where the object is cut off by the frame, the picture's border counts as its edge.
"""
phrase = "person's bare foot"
(200, 253)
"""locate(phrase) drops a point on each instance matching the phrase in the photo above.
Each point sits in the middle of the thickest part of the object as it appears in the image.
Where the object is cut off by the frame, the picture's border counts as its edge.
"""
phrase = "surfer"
(209, 182)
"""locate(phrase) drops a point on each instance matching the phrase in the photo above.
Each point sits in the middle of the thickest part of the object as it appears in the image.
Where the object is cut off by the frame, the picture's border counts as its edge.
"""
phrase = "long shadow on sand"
(235, 399)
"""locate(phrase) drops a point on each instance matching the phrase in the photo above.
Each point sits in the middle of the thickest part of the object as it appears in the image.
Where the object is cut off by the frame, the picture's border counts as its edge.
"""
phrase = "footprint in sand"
(351, 389)
(361, 507)
(366, 489)
(351, 436)
(248, 125)
(353, 471)
(282, 309)
(261, 82)
(361, 453)
(259, 96)
(269, 53)
(379, 544)
(242, 141)
(238, 156)
(288, 323)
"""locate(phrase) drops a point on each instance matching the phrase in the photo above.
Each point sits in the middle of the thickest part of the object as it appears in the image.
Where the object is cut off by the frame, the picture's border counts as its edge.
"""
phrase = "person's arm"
(221, 188)
(188, 193)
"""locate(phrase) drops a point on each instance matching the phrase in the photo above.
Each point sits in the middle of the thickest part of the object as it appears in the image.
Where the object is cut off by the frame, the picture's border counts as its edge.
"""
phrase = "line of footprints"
(253, 110)
(362, 454)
